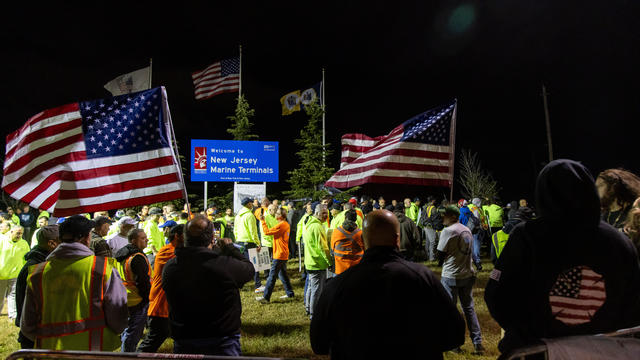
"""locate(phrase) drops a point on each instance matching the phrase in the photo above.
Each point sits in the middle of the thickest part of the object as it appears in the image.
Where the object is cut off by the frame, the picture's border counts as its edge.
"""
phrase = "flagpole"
(546, 117)
(150, 70)
(452, 144)
(174, 148)
(323, 119)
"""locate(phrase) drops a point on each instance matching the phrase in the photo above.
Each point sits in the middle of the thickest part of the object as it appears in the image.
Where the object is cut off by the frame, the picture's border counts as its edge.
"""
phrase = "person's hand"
(261, 217)
(259, 247)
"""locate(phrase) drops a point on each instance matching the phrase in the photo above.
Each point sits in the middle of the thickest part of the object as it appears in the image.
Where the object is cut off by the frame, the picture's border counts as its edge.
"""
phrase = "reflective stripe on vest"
(94, 324)
(349, 246)
(129, 281)
(429, 210)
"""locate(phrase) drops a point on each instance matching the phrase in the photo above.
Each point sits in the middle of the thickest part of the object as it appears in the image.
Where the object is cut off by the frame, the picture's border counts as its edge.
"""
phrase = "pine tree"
(312, 171)
(240, 123)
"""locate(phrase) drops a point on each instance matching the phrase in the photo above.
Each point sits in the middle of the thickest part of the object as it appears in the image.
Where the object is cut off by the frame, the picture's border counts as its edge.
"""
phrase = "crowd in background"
(163, 264)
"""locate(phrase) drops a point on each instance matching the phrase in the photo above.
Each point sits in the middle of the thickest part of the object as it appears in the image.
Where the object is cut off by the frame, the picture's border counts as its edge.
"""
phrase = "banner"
(241, 191)
(237, 161)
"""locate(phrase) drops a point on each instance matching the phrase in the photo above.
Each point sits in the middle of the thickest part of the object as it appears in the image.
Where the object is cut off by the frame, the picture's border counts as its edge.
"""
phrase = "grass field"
(281, 328)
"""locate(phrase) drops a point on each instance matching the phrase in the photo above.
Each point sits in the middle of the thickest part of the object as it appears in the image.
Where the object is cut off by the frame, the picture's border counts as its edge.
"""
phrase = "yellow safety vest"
(500, 239)
(129, 281)
(69, 295)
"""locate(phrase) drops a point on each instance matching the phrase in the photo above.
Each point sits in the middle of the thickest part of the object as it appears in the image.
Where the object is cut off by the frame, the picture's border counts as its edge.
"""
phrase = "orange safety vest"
(347, 248)
(129, 280)
(72, 317)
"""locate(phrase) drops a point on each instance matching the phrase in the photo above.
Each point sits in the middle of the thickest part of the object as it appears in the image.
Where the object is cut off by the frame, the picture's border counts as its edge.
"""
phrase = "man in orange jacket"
(158, 323)
(346, 243)
(280, 234)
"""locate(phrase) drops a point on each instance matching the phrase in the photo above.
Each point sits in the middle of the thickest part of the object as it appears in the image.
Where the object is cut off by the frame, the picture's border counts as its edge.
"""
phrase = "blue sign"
(229, 160)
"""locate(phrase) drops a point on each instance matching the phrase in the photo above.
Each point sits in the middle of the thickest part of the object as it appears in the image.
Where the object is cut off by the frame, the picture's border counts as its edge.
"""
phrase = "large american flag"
(220, 77)
(418, 152)
(576, 295)
(95, 155)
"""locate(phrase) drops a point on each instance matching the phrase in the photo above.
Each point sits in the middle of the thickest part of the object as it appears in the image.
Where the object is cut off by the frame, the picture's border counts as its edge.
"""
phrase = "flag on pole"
(220, 77)
(296, 100)
(95, 155)
(290, 102)
(128, 83)
(418, 152)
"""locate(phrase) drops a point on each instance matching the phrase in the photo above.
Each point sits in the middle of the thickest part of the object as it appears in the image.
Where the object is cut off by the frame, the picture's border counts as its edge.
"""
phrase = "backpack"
(474, 224)
(436, 219)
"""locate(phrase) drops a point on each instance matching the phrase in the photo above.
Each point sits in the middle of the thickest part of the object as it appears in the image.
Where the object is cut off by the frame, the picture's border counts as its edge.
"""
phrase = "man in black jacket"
(135, 272)
(48, 240)
(361, 312)
(202, 287)
(566, 272)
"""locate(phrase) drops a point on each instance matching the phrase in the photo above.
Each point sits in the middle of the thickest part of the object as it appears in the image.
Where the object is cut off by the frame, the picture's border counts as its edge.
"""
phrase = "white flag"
(128, 83)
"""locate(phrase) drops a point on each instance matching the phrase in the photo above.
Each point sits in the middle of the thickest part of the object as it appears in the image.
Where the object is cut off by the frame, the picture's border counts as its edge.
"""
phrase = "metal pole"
(205, 196)
(150, 70)
(546, 116)
(323, 119)
(452, 145)
(240, 74)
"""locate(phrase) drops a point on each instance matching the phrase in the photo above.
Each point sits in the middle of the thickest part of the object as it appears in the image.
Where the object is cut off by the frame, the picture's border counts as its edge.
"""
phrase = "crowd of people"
(96, 282)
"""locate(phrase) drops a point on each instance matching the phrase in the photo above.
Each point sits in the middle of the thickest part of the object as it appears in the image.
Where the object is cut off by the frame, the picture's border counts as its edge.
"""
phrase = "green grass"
(281, 328)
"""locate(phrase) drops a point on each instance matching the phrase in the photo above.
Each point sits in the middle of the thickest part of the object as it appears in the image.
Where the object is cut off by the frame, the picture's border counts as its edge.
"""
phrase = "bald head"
(198, 232)
(381, 228)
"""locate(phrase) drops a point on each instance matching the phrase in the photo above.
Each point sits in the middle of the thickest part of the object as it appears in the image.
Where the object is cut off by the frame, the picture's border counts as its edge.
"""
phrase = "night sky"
(384, 64)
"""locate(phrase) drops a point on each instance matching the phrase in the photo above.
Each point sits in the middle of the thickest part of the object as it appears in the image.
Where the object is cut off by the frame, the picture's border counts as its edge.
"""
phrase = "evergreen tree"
(312, 171)
(240, 123)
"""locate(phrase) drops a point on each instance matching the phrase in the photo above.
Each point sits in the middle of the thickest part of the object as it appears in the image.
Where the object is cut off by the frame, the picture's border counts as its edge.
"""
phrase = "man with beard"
(617, 189)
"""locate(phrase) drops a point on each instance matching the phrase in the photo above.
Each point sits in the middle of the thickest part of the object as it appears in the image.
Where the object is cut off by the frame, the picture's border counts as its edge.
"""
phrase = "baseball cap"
(48, 232)
(155, 211)
(462, 202)
(169, 223)
(336, 207)
(416, 199)
(127, 220)
(74, 227)
(353, 201)
(246, 200)
(101, 220)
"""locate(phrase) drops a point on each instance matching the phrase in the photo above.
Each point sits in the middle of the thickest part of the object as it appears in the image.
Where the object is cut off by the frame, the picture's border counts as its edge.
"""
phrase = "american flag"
(220, 77)
(576, 295)
(95, 155)
(418, 152)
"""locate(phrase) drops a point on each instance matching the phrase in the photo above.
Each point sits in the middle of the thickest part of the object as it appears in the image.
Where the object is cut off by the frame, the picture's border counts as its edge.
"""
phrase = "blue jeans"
(316, 279)
(462, 289)
(135, 327)
(475, 250)
(222, 346)
(278, 268)
(245, 252)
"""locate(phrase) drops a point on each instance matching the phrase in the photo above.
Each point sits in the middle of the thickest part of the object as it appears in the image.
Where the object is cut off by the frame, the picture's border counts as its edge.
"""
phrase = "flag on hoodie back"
(418, 152)
(128, 83)
(95, 155)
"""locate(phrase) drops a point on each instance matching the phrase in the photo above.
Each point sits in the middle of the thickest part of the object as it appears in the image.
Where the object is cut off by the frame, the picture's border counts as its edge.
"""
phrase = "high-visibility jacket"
(245, 228)
(69, 294)
(483, 218)
(316, 249)
(155, 236)
(347, 247)
(12, 257)
(500, 239)
(267, 240)
(300, 226)
(338, 220)
(495, 213)
(129, 279)
(158, 305)
(223, 225)
(359, 213)
(412, 212)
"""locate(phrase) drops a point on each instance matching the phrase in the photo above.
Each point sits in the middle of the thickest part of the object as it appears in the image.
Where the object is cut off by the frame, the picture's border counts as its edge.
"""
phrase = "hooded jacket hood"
(126, 251)
(566, 192)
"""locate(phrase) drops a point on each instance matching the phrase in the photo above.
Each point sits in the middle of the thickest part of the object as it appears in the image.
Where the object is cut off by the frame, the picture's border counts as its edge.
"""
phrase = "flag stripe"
(160, 195)
(397, 166)
(76, 163)
(217, 78)
(128, 194)
(222, 90)
(211, 68)
(84, 179)
(68, 138)
(118, 187)
(388, 180)
(40, 120)
(19, 179)
(209, 87)
(561, 305)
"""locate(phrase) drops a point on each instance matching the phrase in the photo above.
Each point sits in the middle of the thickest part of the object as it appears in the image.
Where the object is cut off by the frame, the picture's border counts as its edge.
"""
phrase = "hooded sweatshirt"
(550, 264)
(139, 267)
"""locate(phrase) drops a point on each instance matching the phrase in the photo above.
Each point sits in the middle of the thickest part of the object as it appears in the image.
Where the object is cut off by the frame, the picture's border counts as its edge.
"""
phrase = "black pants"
(157, 332)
